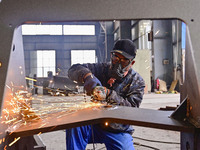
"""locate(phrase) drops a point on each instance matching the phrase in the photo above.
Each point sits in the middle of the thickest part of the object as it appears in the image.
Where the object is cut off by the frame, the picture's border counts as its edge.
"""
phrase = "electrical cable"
(155, 140)
(154, 148)
(141, 35)
(138, 144)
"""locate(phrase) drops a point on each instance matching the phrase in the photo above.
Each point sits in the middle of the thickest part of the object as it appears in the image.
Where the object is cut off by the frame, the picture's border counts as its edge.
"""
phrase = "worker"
(121, 86)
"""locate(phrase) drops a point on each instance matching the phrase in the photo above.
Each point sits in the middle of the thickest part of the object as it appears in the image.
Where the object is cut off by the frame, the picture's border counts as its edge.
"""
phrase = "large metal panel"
(127, 115)
(14, 79)
(192, 82)
(15, 13)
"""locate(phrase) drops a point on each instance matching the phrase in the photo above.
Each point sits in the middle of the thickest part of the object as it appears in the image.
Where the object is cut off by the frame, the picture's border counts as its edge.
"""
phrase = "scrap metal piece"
(61, 86)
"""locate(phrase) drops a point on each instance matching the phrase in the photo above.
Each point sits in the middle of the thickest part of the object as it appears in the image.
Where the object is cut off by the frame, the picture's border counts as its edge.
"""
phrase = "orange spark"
(8, 86)
(42, 125)
(15, 140)
(106, 123)
(30, 79)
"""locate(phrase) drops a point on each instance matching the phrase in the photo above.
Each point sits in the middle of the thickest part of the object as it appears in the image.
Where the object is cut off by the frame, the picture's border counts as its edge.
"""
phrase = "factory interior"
(51, 48)
(39, 101)
(159, 60)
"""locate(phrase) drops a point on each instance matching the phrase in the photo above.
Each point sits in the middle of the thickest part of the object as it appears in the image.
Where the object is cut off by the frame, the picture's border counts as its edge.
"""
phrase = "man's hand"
(90, 82)
(100, 93)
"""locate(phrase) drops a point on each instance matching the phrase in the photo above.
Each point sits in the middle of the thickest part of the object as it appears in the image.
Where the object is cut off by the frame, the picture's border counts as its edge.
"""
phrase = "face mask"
(117, 71)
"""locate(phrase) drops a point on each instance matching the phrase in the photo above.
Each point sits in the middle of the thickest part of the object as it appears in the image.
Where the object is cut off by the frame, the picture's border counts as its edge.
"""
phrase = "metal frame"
(126, 115)
(15, 13)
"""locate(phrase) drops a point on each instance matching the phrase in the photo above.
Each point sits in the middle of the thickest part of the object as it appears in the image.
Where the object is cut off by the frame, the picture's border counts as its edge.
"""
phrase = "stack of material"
(163, 87)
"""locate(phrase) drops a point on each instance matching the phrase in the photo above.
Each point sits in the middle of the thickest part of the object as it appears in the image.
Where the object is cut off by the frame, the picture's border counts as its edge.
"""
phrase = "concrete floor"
(56, 140)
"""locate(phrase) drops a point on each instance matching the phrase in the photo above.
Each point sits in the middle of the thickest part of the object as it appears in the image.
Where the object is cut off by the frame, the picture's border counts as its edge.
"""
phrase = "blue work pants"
(78, 138)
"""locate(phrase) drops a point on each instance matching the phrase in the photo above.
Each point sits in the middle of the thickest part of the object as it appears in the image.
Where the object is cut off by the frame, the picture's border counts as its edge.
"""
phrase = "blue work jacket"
(126, 92)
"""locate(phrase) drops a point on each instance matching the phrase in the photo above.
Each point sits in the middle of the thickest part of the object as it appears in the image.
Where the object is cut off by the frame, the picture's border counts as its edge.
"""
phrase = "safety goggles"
(123, 61)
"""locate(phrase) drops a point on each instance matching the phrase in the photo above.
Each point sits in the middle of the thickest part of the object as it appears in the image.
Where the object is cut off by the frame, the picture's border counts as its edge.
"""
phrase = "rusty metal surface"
(127, 115)
(192, 83)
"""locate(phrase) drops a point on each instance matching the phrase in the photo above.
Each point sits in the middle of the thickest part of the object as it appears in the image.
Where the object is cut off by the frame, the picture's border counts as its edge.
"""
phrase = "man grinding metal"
(118, 84)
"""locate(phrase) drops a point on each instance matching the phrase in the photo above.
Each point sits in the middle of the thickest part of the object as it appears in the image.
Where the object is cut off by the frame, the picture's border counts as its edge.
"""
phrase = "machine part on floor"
(24, 143)
(61, 86)
(168, 108)
(38, 143)
(15, 13)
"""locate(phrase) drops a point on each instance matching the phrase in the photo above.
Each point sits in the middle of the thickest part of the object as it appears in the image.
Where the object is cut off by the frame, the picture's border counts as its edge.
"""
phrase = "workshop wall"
(162, 46)
(62, 44)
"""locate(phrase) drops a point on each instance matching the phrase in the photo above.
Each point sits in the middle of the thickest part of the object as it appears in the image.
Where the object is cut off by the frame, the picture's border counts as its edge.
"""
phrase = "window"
(58, 29)
(79, 30)
(41, 29)
(83, 56)
(45, 62)
(144, 28)
(183, 35)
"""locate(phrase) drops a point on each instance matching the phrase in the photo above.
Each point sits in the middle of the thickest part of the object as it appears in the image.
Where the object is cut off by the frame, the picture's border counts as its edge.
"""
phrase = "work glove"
(100, 93)
(90, 82)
